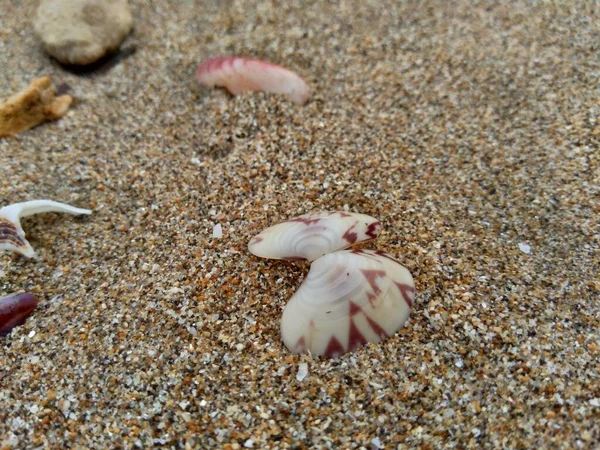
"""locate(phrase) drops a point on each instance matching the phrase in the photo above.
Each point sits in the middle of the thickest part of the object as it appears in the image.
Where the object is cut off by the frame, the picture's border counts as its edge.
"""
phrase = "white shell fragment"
(348, 298)
(217, 231)
(12, 236)
(302, 372)
(525, 248)
(313, 235)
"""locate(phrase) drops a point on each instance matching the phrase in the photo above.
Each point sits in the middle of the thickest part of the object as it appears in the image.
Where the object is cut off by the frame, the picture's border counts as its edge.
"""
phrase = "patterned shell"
(313, 235)
(348, 298)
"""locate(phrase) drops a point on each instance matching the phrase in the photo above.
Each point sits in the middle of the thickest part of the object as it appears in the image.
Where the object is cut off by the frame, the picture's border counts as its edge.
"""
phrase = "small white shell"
(348, 298)
(313, 235)
(12, 236)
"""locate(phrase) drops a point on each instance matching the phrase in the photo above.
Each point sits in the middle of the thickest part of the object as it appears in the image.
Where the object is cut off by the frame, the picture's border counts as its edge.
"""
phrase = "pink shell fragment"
(239, 75)
(14, 310)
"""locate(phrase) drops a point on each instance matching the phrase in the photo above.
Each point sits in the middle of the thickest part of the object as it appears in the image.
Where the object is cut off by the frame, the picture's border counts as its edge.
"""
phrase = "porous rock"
(31, 107)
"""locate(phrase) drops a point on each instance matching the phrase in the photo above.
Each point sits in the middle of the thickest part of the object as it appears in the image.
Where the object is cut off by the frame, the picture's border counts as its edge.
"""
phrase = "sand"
(470, 129)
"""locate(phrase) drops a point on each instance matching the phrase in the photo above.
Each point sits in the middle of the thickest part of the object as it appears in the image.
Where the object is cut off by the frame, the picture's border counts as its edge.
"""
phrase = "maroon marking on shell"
(7, 224)
(357, 251)
(255, 240)
(386, 255)
(294, 258)
(342, 214)
(372, 298)
(334, 348)
(354, 309)
(301, 344)
(14, 309)
(355, 338)
(373, 230)
(5, 231)
(349, 235)
(304, 220)
(406, 290)
(371, 275)
(9, 233)
(14, 241)
(377, 328)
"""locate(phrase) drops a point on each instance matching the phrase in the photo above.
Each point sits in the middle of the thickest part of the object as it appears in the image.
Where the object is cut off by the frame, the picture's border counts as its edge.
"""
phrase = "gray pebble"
(82, 31)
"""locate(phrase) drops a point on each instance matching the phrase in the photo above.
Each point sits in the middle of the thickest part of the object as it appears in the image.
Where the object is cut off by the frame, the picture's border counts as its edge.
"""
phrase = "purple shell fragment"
(14, 310)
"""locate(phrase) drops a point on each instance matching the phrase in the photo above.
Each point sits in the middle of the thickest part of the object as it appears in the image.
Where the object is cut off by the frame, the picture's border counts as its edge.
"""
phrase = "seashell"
(12, 236)
(348, 298)
(14, 310)
(313, 235)
(239, 75)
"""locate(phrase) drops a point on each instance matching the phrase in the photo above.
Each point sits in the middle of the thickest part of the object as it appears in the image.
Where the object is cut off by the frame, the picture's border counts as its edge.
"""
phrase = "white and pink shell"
(348, 298)
(12, 236)
(239, 75)
(313, 235)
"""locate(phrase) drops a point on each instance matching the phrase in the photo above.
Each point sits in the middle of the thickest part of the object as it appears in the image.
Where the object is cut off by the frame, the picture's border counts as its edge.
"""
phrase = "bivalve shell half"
(348, 298)
(313, 235)
(239, 75)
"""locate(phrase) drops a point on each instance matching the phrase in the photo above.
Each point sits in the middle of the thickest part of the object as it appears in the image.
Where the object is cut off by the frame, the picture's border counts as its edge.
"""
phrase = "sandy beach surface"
(470, 129)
